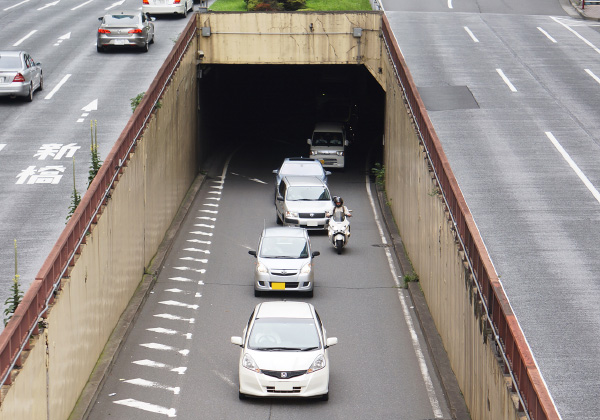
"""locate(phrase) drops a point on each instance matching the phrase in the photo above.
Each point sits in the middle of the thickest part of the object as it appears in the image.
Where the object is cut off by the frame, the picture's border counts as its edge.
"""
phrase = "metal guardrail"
(15, 337)
(511, 343)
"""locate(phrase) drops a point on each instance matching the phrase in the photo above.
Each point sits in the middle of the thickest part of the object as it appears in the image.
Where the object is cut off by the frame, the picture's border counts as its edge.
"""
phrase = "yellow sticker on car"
(278, 286)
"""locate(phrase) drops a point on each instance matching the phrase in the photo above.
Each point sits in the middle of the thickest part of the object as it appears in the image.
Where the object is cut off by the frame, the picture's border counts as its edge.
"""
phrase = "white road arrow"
(115, 4)
(54, 3)
(65, 36)
(92, 106)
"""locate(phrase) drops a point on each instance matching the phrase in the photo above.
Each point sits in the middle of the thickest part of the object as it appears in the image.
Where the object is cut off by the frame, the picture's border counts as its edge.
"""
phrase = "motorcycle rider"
(339, 207)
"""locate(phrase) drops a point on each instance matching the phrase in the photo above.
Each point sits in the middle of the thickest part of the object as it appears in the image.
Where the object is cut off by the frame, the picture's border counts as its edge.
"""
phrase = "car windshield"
(10, 62)
(274, 334)
(281, 247)
(301, 169)
(326, 138)
(308, 194)
(125, 20)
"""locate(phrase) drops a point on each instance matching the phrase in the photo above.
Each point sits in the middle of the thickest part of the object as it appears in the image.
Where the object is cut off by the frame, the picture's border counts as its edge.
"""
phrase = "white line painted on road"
(210, 205)
(214, 198)
(16, 44)
(450, 4)
(209, 211)
(204, 225)
(153, 408)
(54, 3)
(201, 271)
(149, 384)
(157, 365)
(199, 241)
(181, 279)
(473, 37)
(176, 318)
(82, 4)
(215, 192)
(574, 166)
(257, 180)
(163, 347)
(547, 35)
(197, 232)
(204, 251)
(576, 34)
(433, 400)
(508, 83)
(203, 261)
(212, 219)
(115, 4)
(179, 304)
(15, 5)
(2, 146)
(596, 78)
(57, 87)
(163, 331)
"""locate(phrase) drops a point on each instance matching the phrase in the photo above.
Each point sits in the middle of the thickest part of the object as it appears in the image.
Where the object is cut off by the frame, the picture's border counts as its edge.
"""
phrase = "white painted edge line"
(574, 166)
(508, 83)
(16, 44)
(82, 4)
(577, 34)
(435, 405)
(450, 4)
(2, 146)
(58, 86)
(473, 37)
(15, 5)
(596, 78)
(547, 35)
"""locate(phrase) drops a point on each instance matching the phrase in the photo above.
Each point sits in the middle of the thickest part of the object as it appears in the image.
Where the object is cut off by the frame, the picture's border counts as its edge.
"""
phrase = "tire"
(310, 294)
(279, 222)
(152, 40)
(242, 396)
(257, 293)
(339, 245)
(145, 48)
(99, 49)
(185, 11)
(41, 86)
(29, 97)
(325, 397)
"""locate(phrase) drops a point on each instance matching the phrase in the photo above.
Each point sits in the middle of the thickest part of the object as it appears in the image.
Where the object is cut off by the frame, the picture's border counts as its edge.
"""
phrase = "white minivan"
(328, 144)
(303, 201)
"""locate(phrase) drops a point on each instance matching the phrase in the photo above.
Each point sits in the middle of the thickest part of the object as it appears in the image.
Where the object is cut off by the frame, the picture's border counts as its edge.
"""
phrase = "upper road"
(513, 89)
(43, 137)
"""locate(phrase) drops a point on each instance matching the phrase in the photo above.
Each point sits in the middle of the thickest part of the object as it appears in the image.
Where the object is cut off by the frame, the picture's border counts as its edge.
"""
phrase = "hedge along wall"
(119, 246)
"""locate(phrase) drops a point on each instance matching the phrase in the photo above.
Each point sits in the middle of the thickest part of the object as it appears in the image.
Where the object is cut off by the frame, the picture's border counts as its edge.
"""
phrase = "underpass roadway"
(176, 359)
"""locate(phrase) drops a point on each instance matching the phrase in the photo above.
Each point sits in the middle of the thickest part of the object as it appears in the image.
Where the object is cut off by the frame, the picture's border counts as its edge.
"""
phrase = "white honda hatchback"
(284, 352)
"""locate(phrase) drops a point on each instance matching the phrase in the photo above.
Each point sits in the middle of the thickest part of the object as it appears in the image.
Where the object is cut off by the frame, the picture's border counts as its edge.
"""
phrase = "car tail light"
(176, 1)
(103, 31)
(19, 78)
(146, 2)
(135, 31)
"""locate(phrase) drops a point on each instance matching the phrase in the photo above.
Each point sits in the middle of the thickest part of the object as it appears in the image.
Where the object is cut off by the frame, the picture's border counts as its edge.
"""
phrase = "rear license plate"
(119, 42)
(278, 286)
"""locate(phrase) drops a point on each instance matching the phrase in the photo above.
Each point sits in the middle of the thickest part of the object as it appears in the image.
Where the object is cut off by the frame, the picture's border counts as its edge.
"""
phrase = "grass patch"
(311, 5)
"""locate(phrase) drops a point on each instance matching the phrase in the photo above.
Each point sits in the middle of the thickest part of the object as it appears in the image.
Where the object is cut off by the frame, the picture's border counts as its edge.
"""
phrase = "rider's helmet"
(338, 201)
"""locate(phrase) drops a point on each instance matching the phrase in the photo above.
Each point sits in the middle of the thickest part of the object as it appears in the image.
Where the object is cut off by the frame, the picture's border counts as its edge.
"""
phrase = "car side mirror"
(275, 171)
(279, 197)
(309, 141)
(316, 254)
(252, 253)
(331, 341)
(327, 173)
(100, 19)
(239, 342)
(347, 143)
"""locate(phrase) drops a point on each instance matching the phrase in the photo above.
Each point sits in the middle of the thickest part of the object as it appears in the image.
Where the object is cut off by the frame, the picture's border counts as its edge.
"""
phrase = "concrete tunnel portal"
(275, 107)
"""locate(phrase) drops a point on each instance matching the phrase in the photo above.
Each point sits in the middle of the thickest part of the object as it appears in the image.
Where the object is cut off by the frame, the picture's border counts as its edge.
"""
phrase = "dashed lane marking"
(181, 279)
(176, 318)
(201, 271)
(200, 260)
(163, 347)
(205, 251)
(547, 35)
(198, 232)
(204, 225)
(149, 384)
(150, 363)
(153, 408)
(179, 304)
(199, 241)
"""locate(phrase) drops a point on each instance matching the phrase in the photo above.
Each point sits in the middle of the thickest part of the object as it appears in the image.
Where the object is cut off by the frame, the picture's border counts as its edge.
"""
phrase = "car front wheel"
(242, 396)
(41, 87)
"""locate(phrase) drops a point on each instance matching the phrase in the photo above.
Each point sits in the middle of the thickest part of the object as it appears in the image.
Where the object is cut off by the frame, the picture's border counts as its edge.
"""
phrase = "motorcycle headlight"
(318, 364)
(261, 268)
(249, 363)
(306, 269)
(291, 214)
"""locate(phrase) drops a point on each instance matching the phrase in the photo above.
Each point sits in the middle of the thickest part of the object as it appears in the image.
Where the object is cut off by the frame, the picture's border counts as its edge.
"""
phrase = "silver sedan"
(20, 75)
(125, 29)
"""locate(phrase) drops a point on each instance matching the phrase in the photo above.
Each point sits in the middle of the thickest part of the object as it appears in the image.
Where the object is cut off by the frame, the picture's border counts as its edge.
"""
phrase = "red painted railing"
(519, 362)
(24, 322)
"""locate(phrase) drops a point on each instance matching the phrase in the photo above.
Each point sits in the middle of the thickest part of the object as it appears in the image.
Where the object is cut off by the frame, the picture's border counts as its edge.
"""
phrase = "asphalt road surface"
(39, 140)
(512, 89)
(178, 360)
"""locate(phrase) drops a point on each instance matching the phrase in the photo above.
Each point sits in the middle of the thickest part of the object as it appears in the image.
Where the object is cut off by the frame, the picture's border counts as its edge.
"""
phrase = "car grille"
(272, 390)
(290, 284)
(284, 273)
(312, 215)
(329, 161)
(286, 374)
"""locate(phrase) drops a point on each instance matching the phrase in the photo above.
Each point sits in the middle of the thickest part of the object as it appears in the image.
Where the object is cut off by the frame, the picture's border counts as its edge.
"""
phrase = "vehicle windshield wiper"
(283, 349)
(309, 348)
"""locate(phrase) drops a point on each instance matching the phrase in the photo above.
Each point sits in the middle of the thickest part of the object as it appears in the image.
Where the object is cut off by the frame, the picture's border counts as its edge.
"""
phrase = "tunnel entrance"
(275, 107)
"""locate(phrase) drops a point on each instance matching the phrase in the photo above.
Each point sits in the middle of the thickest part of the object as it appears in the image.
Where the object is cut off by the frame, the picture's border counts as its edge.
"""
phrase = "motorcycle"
(338, 230)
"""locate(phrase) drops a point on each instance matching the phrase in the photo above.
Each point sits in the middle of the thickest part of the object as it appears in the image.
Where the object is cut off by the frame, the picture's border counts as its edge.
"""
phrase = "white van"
(328, 144)
(303, 201)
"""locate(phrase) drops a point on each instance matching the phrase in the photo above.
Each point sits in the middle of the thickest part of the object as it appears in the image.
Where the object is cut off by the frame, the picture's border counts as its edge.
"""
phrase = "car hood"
(284, 263)
(309, 206)
(284, 360)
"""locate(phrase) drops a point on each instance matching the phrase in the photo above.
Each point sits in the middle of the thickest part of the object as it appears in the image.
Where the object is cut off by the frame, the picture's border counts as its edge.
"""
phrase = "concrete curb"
(583, 13)
(452, 391)
(115, 342)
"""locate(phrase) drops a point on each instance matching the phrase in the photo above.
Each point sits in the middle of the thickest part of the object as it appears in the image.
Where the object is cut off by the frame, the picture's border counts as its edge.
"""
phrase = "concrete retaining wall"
(423, 222)
(111, 264)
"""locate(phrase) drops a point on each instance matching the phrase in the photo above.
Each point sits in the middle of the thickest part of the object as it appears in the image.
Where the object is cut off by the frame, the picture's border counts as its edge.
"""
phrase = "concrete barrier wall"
(111, 264)
(424, 225)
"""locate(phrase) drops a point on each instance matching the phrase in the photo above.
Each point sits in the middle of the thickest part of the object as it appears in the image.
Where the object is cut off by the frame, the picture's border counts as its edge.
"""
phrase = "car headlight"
(261, 268)
(313, 152)
(318, 364)
(306, 269)
(340, 153)
(249, 363)
(291, 214)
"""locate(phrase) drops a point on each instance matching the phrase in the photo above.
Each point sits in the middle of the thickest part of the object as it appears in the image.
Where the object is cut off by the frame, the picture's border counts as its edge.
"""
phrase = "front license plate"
(278, 286)
(312, 223)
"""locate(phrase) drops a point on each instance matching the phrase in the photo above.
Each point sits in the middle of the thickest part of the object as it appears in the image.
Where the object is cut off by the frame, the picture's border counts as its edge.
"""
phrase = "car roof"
(11, 53)
(284, 309)
(124, 12)
(329, 126)
(300, 159)
(288, 231)
(301, 180)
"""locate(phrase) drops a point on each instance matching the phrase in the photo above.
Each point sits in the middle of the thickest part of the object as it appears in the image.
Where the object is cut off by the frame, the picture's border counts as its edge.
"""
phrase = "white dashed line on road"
(203, 261)
(199, 241)
(473, 37)
(16, 44)
(547, 35)
(596, 78)
(82, 4)
(197, 232)
(150, 384)
(58, 86)
(150, 363)
(2, 146)
(175, 318)
(179, 304)
(153, 408)
(163, 347)
(508, 83)
(205, 251)
(201, 271)
(181, 279)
